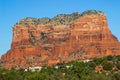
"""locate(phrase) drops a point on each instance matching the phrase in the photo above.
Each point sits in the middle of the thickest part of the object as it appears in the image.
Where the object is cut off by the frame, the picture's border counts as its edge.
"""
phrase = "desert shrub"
(107, 65)
(118, 65)
(90, 12)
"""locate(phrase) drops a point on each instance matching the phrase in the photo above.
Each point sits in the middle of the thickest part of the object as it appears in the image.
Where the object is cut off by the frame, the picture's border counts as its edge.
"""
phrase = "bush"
(98, 61)
(107, 65)
(118, 57)
(116, 76)
(109, 58)
(118, 65)
(90, 12)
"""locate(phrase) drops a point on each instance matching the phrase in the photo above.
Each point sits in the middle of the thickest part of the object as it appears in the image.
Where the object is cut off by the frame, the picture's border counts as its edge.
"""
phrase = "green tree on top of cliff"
(91, 12)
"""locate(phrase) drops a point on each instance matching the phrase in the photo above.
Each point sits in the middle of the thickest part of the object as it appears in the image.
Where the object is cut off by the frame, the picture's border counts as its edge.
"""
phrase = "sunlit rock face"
(64, 38)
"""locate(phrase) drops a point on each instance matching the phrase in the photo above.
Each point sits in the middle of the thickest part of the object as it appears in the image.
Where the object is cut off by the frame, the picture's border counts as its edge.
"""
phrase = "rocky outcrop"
(64, 38)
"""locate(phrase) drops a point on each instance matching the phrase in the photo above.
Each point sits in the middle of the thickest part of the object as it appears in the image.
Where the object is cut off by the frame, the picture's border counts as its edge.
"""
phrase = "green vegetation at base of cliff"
(76, 70)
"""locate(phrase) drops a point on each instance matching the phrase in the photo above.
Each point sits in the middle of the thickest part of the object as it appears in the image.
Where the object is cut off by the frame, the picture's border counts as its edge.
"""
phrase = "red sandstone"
(85, 38)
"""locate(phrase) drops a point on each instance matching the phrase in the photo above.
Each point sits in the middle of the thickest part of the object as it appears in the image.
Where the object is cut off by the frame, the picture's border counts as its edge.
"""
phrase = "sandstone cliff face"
(86, 36)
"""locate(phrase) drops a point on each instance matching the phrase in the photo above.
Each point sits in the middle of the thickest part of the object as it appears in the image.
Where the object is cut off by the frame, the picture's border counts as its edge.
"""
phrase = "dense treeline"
(106, 68)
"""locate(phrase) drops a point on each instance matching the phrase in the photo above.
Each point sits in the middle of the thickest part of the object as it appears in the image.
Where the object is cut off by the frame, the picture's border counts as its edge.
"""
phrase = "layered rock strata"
(40, 42)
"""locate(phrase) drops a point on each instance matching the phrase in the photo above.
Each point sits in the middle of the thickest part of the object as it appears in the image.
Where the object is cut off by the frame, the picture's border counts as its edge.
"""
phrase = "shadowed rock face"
(64, 38)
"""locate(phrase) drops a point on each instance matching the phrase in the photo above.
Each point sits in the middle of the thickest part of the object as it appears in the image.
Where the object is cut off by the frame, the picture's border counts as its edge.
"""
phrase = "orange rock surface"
(37, 45)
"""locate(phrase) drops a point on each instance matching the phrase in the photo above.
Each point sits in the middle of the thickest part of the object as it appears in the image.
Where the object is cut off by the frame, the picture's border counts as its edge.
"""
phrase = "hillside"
(106, 68)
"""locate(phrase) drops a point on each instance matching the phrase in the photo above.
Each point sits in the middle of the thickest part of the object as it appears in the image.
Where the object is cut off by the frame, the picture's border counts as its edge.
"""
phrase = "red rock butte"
(64, 38)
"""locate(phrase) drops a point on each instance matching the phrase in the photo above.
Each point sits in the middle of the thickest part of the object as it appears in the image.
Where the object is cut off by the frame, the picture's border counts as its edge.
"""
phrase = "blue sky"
(12, 11)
